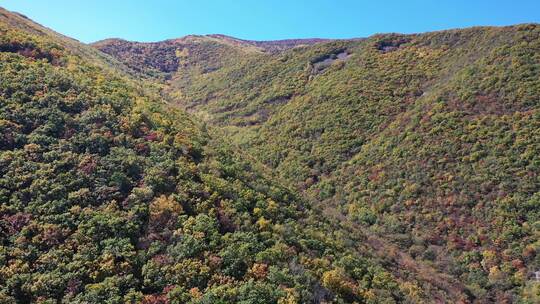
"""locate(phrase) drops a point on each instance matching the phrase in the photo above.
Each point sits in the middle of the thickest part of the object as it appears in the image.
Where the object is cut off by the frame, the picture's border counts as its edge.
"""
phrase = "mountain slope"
(110, 195)
(454, 178)
(203, 54)
(404, 135)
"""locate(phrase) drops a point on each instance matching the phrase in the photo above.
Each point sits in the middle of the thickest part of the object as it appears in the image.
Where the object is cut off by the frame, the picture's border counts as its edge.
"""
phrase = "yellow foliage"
(164, 205)
(338, 282)
(489, 259)
(291, 297)
(272, 206)
(195, 293)
(259, 271)
(411, 290)
(495, 274)
(369, 295)
(263, 223)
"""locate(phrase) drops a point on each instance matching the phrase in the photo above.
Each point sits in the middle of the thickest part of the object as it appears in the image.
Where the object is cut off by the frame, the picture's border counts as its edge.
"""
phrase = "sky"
(154, 20)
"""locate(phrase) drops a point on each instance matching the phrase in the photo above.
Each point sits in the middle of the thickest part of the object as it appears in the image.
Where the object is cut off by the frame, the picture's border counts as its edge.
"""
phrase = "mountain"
(207, 53)
(210, 169)
(426, 141)
(110, 193)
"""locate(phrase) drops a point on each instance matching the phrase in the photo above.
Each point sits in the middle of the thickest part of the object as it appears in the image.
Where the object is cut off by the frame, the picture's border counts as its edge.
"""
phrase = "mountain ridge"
(395, 168)
(108, 194)
(271, 44)
(336, 119)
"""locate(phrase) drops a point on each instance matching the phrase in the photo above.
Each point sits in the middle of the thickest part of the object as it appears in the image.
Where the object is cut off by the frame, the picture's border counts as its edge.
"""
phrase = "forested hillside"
(428, 141)
(210, 169)
(110, 195)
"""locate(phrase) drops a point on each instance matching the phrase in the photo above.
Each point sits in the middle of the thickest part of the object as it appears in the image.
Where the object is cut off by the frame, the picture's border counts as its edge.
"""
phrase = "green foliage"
(427, 140)
(396, 168)
(108, 195)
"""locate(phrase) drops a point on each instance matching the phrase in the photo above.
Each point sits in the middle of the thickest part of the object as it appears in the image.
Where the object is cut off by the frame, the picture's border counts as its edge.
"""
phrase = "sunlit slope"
(109, 195)
(428, 140)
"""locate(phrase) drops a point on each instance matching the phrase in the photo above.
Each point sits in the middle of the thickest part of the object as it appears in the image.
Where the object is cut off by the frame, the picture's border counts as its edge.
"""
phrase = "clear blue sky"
(153, 20)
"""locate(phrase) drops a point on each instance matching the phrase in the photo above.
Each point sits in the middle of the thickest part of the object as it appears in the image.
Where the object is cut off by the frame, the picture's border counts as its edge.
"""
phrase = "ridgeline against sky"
(141, 20)
(395, 168)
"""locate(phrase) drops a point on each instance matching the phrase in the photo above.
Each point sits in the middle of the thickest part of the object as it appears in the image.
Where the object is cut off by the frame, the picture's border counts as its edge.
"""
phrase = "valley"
(210, 169)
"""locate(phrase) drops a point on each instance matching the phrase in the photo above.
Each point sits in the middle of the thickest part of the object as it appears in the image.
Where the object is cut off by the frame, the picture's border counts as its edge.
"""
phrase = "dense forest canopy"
(110, 195)
(427, 141)
(210, 169)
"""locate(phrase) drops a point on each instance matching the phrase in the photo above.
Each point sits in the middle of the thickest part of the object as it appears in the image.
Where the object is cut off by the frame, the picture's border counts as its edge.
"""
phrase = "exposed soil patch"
(324, 62)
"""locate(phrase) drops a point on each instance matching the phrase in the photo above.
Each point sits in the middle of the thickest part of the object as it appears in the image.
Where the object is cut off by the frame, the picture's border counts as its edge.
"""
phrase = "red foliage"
(152, 136)
(88, 165)
(225, 222)
(517, 264)
(17, 221)
(142, 148)
(52, 236)
(375, 174)
(158, 298)
(73, 286)
(456, 242)
(69, 132)
(214, 261)
(161, 259)
(155, 299)
(168, 288)
(469, 245)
